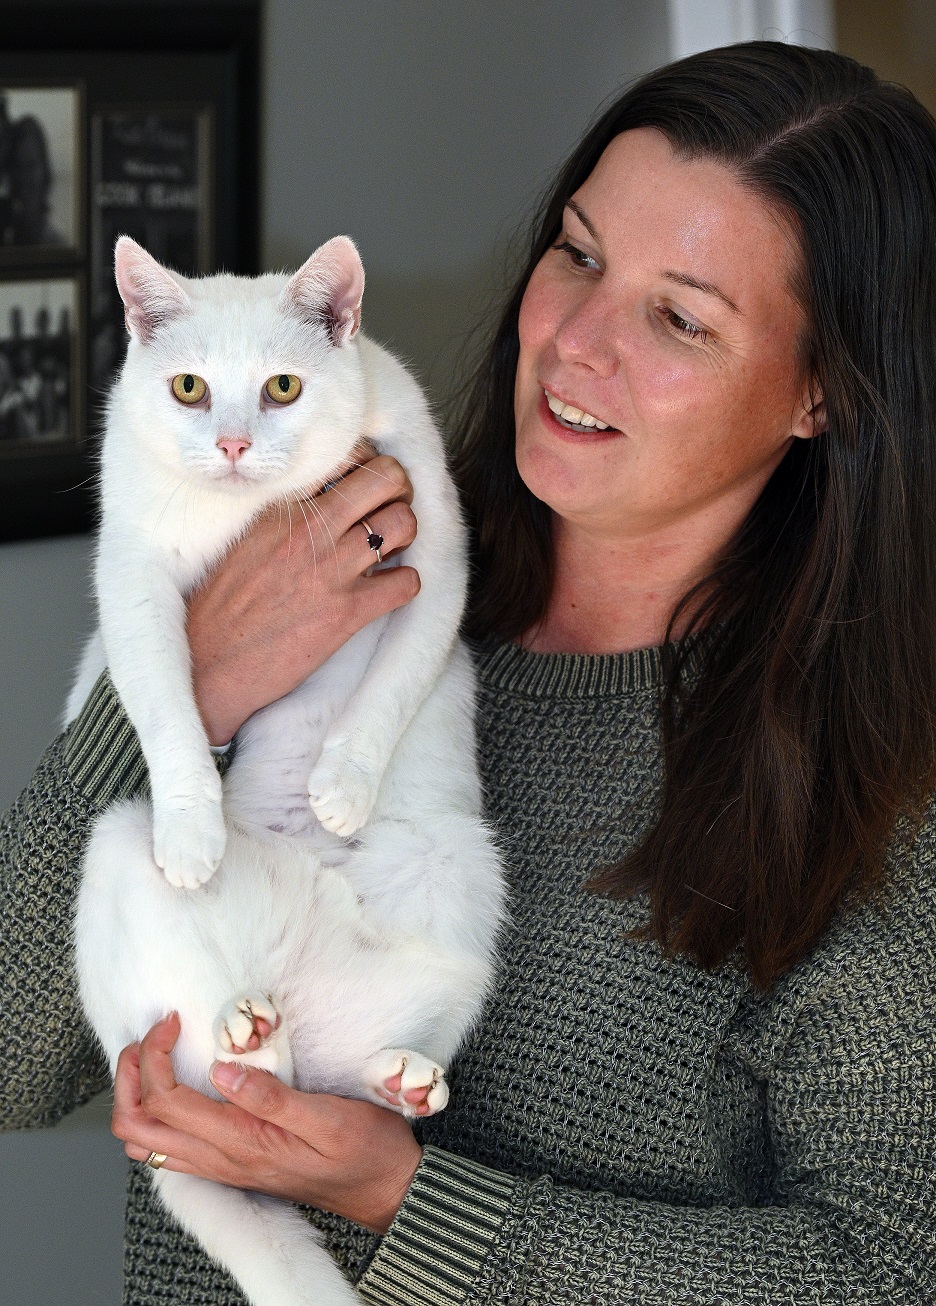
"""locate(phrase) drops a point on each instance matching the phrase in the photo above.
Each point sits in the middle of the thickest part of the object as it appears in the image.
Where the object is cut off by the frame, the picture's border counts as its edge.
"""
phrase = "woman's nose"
(591, 335)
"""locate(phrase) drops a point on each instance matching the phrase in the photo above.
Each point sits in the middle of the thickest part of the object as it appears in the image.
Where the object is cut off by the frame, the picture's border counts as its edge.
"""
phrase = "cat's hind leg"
(249, 1029)
(406, 1081)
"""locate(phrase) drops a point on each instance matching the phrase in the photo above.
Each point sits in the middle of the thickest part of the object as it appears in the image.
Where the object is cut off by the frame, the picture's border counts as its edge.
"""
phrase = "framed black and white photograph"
(137, 118)
(151, 178)
(41, 169)
(39, 367)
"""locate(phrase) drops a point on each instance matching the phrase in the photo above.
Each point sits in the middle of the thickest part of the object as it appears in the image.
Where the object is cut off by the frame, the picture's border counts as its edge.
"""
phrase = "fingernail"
(227, 1076)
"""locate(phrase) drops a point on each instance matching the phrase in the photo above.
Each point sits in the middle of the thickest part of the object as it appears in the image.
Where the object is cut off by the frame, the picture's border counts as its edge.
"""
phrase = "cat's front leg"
(417, 641)
(189, 834)
(143, 627)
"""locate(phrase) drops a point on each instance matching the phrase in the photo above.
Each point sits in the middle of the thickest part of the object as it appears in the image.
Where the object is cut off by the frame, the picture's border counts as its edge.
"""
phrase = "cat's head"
(244, 383)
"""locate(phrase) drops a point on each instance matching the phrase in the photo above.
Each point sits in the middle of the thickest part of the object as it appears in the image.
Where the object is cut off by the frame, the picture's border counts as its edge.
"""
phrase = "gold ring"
(374, 541)
(155, 1160)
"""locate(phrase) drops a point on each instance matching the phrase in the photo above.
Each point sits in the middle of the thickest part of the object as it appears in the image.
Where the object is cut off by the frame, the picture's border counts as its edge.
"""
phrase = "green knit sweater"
(623, 1128)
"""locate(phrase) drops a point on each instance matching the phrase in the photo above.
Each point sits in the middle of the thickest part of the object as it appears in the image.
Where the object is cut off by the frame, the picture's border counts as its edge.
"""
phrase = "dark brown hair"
(811, 732)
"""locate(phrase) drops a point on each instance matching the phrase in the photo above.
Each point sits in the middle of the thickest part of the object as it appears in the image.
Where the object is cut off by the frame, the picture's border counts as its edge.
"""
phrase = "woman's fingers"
(363, 491)
(142, 1133)
(154, 1113)
(381, 480)
(395, 524)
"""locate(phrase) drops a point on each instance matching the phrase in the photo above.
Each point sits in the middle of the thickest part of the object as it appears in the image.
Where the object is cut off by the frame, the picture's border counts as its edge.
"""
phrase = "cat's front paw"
(188, 844)
(342, 793)
(406, 1081)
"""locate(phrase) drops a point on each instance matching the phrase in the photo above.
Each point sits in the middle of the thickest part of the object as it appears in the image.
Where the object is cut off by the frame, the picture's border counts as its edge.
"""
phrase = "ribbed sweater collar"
(573, 675)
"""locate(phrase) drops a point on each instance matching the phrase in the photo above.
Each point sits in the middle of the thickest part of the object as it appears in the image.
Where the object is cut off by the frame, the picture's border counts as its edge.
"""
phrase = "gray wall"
(425, 129)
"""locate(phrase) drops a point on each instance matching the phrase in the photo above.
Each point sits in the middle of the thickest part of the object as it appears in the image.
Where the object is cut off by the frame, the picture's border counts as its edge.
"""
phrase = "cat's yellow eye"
(189, 389)
(283, 389)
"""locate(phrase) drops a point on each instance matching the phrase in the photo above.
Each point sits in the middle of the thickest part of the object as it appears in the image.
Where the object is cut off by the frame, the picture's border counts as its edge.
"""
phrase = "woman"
(705, 620)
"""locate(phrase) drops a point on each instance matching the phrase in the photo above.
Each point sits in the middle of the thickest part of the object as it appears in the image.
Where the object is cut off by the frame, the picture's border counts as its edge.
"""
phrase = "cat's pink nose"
(233, 448)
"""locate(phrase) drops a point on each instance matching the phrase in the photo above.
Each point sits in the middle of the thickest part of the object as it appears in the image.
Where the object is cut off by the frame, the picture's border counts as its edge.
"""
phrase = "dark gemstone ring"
(374, 541)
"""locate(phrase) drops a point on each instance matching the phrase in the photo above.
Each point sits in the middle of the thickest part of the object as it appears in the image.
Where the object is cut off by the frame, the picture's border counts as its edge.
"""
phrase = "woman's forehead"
(692, 215)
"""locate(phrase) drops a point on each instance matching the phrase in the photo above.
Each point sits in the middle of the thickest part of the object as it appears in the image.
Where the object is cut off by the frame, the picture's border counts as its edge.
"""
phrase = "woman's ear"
(811, 418)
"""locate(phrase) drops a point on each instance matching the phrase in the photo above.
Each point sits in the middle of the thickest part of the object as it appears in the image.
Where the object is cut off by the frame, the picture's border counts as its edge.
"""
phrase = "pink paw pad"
(408, 1082)
(247, 1023)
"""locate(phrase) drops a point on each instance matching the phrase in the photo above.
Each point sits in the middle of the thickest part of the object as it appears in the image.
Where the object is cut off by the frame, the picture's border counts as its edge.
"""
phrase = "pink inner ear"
(151, 294)
(329, 287)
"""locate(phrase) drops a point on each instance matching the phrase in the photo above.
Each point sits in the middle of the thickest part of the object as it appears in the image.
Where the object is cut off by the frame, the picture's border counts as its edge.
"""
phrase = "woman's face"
(665, 314)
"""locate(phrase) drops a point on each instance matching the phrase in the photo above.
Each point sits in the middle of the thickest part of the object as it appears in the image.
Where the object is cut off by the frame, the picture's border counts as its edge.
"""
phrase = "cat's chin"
(237, 480)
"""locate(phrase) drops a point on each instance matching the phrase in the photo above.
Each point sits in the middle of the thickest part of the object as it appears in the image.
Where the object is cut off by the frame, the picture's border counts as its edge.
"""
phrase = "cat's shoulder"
(394, 394)
(384, 371)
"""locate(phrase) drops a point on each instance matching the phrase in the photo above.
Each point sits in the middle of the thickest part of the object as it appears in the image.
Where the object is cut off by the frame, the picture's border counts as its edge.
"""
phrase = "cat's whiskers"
(311, 535)
(323, 519)
(279, 509)
(165, 507)
(289, 546)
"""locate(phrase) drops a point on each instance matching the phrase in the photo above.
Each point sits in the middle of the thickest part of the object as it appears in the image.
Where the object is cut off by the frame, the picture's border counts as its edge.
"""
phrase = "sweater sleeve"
(846, 1056)
(50, 1062)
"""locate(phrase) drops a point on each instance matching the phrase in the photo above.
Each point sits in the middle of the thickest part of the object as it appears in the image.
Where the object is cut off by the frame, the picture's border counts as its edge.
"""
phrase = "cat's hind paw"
(246, 1023)
(342, 793)
(406, 1081)
(188, 844)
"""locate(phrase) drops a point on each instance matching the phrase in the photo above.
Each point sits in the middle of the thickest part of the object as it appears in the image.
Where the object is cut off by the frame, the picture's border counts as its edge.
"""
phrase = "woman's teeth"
(574, 418)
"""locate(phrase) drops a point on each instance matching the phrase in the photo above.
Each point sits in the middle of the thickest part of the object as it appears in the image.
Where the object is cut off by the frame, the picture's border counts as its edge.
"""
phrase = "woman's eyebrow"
(583, 218)
(707, 288)
(681, 278)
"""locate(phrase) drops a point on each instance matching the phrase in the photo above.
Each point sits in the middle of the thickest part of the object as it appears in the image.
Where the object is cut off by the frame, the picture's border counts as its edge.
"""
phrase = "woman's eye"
(688, 329)
(577, 257)
(283, 389)
(188, 388)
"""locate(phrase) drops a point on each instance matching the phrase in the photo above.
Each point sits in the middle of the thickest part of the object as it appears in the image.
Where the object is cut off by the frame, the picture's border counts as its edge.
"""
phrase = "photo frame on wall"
(41, 171)
(114, 119)
(40, 393)
(151, 167)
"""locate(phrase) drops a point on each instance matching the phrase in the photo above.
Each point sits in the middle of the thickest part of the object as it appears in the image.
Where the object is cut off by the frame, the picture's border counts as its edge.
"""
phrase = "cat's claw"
(247, 1023)
(342, 794)
(407, 1082)
(188, 845)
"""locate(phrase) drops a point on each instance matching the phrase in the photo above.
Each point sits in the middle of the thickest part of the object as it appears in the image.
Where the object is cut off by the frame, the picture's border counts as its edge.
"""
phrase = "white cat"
(347, 893)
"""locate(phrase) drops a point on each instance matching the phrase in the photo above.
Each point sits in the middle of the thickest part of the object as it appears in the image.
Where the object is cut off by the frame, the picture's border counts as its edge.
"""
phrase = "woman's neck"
(616, 595)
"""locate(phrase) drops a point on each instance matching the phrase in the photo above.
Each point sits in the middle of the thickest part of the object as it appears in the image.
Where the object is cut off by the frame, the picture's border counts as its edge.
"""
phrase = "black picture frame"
(42, 414)
(167, 150)
(42, 171)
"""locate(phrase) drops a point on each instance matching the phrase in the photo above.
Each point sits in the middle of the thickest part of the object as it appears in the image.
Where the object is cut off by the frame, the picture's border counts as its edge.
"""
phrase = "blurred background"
(426, 129)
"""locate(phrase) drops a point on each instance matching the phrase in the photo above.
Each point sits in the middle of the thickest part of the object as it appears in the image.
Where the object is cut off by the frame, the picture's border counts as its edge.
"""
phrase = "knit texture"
(624, 1128)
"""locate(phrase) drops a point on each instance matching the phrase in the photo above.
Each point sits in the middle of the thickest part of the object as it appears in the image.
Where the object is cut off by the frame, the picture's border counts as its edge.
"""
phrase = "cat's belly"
(274, 919)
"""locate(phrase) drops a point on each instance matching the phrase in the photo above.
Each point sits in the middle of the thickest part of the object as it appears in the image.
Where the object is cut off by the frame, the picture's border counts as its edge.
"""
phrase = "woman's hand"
(341, 1155)
(294, 589)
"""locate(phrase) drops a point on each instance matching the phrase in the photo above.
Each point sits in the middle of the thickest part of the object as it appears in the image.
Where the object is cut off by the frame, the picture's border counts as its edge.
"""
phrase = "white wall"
(704, 24)
(423, 128)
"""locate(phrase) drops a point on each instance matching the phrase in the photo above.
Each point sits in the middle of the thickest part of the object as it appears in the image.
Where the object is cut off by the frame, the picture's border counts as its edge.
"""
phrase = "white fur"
(358, 903)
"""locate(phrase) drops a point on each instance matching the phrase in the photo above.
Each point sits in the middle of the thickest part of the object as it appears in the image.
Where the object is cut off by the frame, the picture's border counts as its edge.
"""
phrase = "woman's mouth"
(575, 419)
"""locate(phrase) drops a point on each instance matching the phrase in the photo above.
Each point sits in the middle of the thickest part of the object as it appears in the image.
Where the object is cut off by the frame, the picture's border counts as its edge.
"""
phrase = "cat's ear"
(328, 289)
(151, 295)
